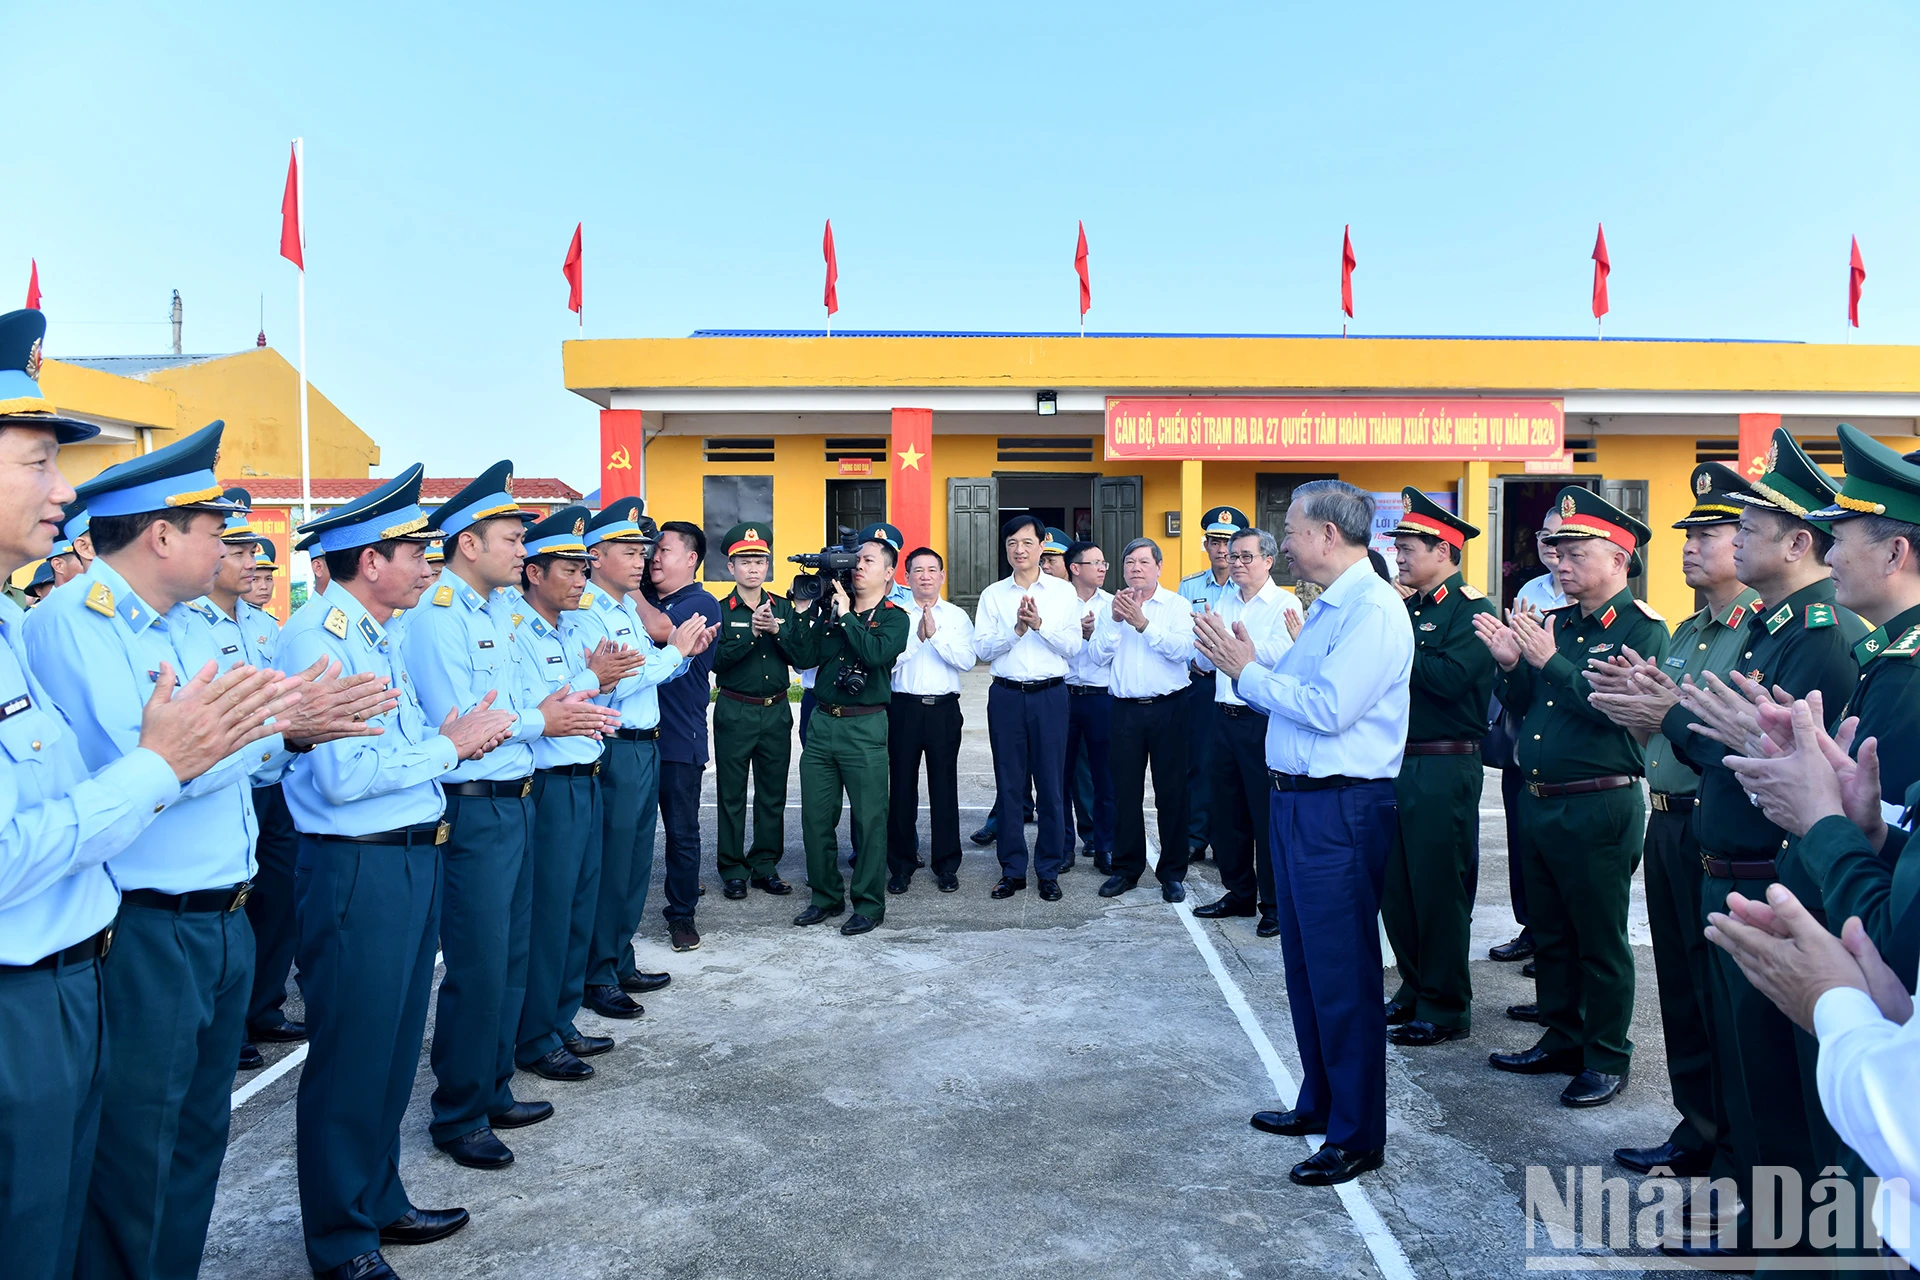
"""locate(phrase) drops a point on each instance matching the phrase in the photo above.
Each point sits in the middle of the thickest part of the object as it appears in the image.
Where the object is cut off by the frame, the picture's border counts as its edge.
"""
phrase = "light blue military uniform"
(1203, 713)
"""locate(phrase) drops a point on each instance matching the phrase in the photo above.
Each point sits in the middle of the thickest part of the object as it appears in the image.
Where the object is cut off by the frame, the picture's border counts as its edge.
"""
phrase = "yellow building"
(816, 433)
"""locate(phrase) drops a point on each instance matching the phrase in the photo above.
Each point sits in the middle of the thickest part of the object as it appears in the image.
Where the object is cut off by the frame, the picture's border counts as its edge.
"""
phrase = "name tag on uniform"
(14, 706)
(624, 631)
(1676, 662)
(232, 648)
(554, 658)
(486, 644)
(739, 624)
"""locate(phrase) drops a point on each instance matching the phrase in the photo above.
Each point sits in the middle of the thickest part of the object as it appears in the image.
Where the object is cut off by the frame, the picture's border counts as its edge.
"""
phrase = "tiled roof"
(545, 490)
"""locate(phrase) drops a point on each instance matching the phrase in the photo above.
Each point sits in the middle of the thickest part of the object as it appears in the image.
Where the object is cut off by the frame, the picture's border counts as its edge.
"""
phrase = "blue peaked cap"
(490, 495)
(388, 512)
(178, 477)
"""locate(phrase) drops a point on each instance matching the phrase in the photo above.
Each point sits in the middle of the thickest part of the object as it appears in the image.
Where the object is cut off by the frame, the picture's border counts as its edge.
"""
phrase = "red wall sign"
(1334, 429)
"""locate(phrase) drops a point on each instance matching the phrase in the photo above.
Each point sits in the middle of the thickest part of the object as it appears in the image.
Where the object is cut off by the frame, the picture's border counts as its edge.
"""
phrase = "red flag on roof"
(1856, 280)
(290, 239)
(33, 285)
(1080, 268)
(1601, 269)
(832, 297)
(571, 270)
(1347, 263)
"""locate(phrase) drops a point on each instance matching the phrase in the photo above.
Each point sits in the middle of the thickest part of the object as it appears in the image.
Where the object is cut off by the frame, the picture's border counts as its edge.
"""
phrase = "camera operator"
(854, 642)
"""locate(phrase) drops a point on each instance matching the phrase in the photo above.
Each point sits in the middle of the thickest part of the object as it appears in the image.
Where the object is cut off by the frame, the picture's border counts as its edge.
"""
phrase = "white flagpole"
(300, 205)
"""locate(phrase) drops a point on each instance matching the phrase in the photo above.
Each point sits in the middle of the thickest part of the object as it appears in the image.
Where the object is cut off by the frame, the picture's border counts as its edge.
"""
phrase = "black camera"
(827, 564)
(852, 679)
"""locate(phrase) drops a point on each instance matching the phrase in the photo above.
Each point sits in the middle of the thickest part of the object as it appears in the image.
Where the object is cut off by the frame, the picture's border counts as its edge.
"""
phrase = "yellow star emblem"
(910, 457)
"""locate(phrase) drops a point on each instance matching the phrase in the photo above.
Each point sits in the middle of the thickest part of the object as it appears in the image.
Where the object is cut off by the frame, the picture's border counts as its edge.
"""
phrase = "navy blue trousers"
(680, 821)
(1089, 739)
(629, 806)
(566, 862)
(1202, 722)
(1240, 828)
(270, 908)
(1329, 862)
(1028, 733)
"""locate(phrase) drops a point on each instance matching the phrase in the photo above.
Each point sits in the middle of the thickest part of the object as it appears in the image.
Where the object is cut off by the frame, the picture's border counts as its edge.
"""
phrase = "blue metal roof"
(1074, 333)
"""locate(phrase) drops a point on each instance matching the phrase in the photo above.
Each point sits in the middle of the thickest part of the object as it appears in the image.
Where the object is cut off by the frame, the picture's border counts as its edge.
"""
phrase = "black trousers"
(1683, 966)
(1512, 783)
(1151, 733)
(270, 908)
(680, 815)
(918, 727)
(1239, 821)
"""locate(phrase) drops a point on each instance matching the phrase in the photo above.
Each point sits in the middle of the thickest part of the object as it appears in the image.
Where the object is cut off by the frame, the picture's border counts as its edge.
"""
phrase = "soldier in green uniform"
(1581, 818)
(1426, 904)
(854, 639)
(752, 721)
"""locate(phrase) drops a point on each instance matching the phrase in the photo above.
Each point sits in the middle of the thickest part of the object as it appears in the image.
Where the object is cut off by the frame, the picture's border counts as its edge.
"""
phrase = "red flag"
(1601, 268)
(1347, 263)
(832, 298)
(33, 285)
(1856, 278)
(1080, 268)
(290, 239)
(571, 270)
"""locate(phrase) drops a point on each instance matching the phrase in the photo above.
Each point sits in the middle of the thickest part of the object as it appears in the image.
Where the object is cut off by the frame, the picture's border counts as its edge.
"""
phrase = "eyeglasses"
(1244, 557)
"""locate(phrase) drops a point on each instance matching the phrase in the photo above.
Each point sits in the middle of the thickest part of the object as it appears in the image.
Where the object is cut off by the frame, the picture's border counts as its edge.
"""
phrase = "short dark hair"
(111, 533)
(691, 534)
(917, 552)
(1432, 541)
(1077, 549)
(1379, 563)
(1024, 520)
(344, 566)
(1879, 529)
(540, 562)
(893, 557)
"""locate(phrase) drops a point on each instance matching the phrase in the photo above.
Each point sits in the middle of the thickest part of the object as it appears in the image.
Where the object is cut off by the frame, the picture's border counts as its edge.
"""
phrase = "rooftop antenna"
(176, 322)
(261, 341)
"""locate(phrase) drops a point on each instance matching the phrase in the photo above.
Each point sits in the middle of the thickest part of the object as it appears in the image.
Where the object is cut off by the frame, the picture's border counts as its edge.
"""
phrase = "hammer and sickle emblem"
(621, 460)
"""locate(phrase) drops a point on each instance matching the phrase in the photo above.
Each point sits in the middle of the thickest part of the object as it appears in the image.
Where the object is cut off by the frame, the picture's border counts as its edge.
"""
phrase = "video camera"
(827, 564)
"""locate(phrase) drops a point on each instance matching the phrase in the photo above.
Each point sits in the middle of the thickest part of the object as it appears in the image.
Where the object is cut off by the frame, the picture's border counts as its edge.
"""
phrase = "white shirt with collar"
(1089, 670)
(1043, 653)
(1868, 1073)
(1265, 618)
(1153, 662)
(929, 668)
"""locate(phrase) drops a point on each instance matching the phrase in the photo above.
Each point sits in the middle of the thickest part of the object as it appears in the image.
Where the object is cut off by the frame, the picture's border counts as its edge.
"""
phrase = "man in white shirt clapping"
(924, 719)
(1089, 704)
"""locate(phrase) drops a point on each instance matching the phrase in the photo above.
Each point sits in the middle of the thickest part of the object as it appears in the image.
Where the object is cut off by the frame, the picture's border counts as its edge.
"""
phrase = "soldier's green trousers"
(1684, 970)
(846, 755)
(761, 738)
(1578, 854)
(1425, 903)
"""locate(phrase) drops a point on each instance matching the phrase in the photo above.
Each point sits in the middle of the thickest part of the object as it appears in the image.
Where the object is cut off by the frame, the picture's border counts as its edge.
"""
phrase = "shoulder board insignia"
(1440, 593)
(1819, 615)
(1907, 645)
(1870, 646)
(586, 600)
(336, 623)
(1649, 610)
(1779, 618)
(1734, 618)
(205, 611)
(1472, 592)
(443, 596)
(1606, 619)
(367, 632)
(100, 599)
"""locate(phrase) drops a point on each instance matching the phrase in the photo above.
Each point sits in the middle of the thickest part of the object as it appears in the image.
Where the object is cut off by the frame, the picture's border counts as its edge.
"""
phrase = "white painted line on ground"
(1374, 1232)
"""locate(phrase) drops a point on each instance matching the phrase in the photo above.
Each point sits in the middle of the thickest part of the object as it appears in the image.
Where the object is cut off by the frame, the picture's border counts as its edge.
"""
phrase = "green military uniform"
(1426, 900)
(1581, 821)
(846, 747)
(752, 725)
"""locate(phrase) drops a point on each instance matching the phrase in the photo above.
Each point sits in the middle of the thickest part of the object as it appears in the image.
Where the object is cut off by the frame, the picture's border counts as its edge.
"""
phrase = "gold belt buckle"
(441, 832)
(1659, 801)
(526, 786)
(1534, 787)
(596, 769)
(240, 896)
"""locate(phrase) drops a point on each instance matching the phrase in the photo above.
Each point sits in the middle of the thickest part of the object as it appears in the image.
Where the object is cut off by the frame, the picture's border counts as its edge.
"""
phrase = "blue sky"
(1214, 153)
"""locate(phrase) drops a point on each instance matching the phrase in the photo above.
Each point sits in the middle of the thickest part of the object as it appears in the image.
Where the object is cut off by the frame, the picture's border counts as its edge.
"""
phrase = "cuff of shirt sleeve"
(144, 777)
(585, 682)
(1559, 669)
(1677, 725)
(1843, 1009)
(532, 725)
(448, 753)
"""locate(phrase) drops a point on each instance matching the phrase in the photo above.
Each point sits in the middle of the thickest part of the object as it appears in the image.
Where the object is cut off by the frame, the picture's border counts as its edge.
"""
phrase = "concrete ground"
(997, 1089)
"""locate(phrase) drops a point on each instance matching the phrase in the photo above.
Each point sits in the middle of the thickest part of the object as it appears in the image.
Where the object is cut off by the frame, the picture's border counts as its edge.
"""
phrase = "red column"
(1756, 437)
(911, 463)
(623, 466)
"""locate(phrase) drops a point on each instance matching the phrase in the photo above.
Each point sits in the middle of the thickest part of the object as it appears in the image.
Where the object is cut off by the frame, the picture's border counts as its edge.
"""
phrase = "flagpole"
(1597, 335)
(300, 198)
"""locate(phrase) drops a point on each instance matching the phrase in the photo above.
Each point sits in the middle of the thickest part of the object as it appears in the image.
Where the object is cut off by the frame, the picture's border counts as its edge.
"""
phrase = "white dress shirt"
(1265, 618)
(931, 667)
(1153, 662)
(1869, 1075)
(1089, 670)
(1044, 652)
(1543, 593)
(1336, 703)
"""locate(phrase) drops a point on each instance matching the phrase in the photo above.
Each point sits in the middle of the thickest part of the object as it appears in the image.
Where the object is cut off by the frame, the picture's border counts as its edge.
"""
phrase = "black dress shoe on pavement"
(1330, 1166)
(919, 863)
(1420, 1033)
(1537, 1062)
(1008, 886)
(1518, 948)
(522, 1114)
(1221, 908)
(612, 1002)
(948, 883)
(1679, 1161)
(898, 884)
(1592, 1089)
(1288, 1124)
(561, 1064)
(1524, 1012)
(1067, 865)
(641, 983)
(1269, 927)
(1117, 885)
(424, 1226)
(982, 836)
(1103, 863)
(1398, 1014)
(683, 935)
(281, 1032)
(1530, 969)
(857, 924)
(1173, 891)
(1197, 852)
(1050, 890)
(814, 915)
(250, 1059)
(588, 1046)
(734, 889)
(772, 884)
(368, 1266)
(478, 1150)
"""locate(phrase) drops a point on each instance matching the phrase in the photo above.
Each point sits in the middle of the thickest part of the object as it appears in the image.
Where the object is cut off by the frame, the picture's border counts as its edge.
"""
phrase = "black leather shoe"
(612, 1002)
(1330, 1166)
(1050, 891)
(1117, 885)
(857, 924)
(1008, 886)
(1027, 816)
(1524, 1012)
(772, 884)
(1103, 863)
(588, 1046)
(1530, 969)
(1269, 927)
(1537, 1062)
(814, 915)
(1288, 1124)
(734, 889)
(368, 1266)
(1067, 865)
(1197, 852)
(561, 1064)
(1679, 1161)
(478, 1150)
(919, 863)
(1173, 891)
(983, 836)
(641, 983)
(1420, 1033)
(898, 884)
(1221, 908)
(424, 1226)
(1398, 1014)
(250, 1059)
(522, 1114)
(1517, 948)
(1592, 1089)
(948, 883)
(281, 1032)
(682, 935)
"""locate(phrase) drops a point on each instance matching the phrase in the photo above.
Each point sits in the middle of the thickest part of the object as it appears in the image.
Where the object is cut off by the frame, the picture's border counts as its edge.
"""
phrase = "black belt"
(1147, 702)
(752, 701)
(1737, 869)
(638, 735)
(94, 948)
(514, 788)
(1458, 747)
(425, 833)
(1086, 690)
(1300, 782)
(1239, 711)
(590, 769)
(1581, 786)
(1028, 686)
(1664, 803)
(231, 898)
(839, 709)
(927, 699)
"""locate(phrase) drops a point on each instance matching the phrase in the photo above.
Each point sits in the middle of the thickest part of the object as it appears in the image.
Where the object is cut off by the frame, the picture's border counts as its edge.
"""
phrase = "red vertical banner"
(623, 468)
(911, 502)
(1756, 437)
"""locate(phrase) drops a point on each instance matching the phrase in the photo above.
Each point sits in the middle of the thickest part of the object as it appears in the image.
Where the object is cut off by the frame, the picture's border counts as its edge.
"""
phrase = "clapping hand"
(333, 707)
(611, 663)
(573, 715)
(1027, 617)
(1128, 609)
(1727, 714)
(1816, 778)
(214, 716)
(1294, 623)
(1535, 635)
(1088, 623)
(1498, 637)
(479, 730)
(1231, 651)
(927, 623)
(765, 621)
(694, 635)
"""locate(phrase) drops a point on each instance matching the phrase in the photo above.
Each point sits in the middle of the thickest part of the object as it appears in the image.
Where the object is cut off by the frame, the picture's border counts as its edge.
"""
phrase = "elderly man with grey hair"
(1336, 706)
(1147, 636)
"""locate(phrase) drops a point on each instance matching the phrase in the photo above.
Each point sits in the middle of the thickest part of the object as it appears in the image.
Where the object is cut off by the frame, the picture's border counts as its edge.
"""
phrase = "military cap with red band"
(1585, 514)
(1426, 518)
